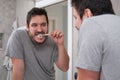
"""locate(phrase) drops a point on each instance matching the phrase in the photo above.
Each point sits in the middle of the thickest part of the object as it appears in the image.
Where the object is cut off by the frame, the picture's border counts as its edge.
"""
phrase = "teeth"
(39, 35)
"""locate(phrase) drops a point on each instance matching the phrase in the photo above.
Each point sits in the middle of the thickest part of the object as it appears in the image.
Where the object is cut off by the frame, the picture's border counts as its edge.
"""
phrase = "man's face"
(38, 24)
(77, 19)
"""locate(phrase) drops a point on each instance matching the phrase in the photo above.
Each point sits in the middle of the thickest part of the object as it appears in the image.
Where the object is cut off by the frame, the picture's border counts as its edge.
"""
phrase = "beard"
(35, 34)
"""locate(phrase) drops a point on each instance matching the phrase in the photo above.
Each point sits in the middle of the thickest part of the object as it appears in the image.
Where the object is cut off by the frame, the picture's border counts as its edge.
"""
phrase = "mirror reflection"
(16, 17)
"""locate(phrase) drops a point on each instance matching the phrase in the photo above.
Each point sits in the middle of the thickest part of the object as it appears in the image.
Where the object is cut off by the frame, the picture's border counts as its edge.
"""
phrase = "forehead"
(75, 13)
(38, 19)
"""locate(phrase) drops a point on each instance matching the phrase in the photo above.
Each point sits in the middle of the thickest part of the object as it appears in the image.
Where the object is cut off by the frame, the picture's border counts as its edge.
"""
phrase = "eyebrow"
(40, 23)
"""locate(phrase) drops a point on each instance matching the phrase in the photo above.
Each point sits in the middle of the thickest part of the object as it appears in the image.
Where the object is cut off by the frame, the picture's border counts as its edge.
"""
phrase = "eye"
(44, 24)
(75, 17)
(34, 25)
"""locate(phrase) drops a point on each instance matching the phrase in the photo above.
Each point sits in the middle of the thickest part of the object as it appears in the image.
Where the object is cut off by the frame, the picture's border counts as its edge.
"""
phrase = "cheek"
(46, 30)
(78, 23)
(32, 31)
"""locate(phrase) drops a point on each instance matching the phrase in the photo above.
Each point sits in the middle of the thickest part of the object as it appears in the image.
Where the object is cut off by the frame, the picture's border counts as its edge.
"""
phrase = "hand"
(58, 37)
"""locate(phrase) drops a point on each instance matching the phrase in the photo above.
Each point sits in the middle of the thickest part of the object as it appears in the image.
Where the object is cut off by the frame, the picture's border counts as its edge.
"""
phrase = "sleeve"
(90, 46)
(14, 46)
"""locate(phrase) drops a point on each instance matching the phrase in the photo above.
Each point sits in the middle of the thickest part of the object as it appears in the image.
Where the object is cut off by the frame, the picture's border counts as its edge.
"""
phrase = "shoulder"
(92, 29)
(97, 23)
(103, 19)
(19, 32)
(90, 26)
(100, 23)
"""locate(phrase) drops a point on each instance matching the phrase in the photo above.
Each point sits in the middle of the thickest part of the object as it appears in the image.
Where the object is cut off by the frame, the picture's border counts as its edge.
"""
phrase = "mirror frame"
(45, 3)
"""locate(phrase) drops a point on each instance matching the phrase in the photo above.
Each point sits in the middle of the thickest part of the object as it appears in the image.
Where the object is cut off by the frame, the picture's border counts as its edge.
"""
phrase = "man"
(99, 40)
(33, 56)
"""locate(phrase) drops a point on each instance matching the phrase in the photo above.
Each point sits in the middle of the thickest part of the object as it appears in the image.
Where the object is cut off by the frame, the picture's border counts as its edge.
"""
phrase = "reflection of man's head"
(37, 23)
(34, 12)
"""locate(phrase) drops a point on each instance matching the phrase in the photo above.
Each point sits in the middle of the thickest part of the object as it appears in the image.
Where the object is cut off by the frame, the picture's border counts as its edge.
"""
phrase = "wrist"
(60, 45)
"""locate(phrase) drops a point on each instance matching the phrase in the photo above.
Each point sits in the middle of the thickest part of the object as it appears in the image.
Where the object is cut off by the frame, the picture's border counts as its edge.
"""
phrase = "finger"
(54, 33)
(61, 34)
(58, 34)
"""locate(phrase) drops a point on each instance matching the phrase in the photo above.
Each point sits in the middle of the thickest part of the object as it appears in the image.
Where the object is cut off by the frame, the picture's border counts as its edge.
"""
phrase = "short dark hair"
(36, 11)
(97, 7)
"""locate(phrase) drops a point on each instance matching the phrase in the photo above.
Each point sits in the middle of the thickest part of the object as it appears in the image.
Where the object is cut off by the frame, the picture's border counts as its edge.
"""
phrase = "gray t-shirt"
(38, 58)
(99, 46)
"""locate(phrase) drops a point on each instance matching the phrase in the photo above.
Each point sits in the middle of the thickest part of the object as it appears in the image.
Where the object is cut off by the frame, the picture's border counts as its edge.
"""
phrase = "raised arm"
(63, 58)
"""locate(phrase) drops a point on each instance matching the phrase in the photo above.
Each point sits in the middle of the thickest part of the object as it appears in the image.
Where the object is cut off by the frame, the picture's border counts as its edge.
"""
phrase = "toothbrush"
(45, 34)
(42, 35)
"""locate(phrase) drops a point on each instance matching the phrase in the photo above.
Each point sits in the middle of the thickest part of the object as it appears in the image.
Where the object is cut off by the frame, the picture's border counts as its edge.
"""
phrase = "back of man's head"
(97, 7)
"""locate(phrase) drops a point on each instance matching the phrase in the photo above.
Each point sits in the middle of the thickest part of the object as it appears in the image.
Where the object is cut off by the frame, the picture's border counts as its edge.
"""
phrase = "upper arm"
(15, 46)
(90, 51)
(84, 74)
(18, 69)
(90, 47)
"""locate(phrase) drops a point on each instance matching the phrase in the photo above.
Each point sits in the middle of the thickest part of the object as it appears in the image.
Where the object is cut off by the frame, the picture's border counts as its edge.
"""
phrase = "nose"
(77, 27)
(39, 28)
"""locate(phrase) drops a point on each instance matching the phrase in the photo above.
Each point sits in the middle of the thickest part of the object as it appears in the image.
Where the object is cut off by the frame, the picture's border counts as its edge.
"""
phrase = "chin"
(40, 40)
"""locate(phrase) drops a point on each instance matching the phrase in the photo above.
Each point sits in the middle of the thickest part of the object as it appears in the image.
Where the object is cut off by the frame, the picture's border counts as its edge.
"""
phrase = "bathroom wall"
(7, 16)
(22, 7)
(10, 10)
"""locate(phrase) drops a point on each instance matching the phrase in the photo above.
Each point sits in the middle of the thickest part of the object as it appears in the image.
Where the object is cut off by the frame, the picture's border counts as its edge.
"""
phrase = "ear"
(88, 13)
(27, 27)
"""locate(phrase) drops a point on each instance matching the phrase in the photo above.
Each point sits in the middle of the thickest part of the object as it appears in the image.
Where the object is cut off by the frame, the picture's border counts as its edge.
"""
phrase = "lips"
(37, 33)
